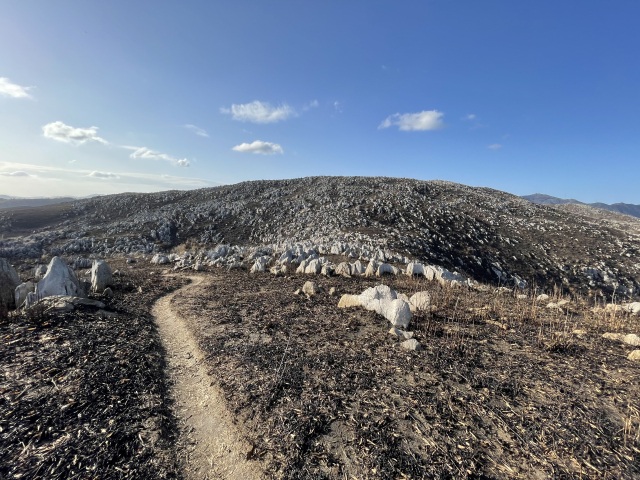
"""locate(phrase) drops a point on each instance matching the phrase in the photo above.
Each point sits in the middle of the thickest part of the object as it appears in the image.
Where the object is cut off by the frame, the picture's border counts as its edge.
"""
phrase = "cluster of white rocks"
(57, 281)
(396, 308)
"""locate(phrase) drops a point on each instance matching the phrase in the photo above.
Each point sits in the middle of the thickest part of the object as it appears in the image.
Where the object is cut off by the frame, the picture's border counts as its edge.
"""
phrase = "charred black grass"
(328, 393)
(83, 395)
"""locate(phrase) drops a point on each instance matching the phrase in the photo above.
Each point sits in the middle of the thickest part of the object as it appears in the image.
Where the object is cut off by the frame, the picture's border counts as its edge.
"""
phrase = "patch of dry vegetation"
(503, 388)
(83, 394)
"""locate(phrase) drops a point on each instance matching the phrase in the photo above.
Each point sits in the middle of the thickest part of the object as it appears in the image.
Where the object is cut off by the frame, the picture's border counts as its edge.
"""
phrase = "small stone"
(632, 339)
(635, 356)
(332, 291)
(411, 344)
(310, 288)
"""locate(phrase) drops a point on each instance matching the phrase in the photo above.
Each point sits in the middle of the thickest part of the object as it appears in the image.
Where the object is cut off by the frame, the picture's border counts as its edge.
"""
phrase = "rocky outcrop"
(59, 280)
(382, 300)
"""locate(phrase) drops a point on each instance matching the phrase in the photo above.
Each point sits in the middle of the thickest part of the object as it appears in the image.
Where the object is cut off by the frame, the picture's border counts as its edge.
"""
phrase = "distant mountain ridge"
(12, 202)
(625, 208)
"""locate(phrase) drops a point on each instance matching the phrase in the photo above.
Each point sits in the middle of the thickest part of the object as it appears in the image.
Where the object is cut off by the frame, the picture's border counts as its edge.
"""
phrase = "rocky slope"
(483, 233)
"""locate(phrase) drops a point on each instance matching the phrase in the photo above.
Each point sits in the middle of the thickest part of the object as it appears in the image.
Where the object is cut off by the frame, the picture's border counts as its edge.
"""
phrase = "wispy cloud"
(53, 181)
(19, 173)
(310, 105)
(13, 90)
(495, 146)
(420, 121)
(197, 130)
(259, 112)
(76, 136)
(470, 116)
(259, 147)
(102, 175)
(148, 154)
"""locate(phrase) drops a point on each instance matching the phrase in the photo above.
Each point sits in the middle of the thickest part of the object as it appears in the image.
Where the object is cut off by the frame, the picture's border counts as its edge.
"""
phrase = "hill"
(485, 234)
(625, 208)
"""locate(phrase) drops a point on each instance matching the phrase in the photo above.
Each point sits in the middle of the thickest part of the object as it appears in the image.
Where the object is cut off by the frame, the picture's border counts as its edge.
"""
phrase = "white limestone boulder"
(357, 268)
(101, 276)
(59, 280)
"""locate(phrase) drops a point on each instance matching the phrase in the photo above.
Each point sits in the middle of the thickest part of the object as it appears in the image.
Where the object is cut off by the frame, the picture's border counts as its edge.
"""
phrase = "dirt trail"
(212, 446)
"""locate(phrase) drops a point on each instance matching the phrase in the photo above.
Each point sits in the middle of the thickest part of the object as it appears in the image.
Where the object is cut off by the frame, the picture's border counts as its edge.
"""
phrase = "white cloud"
(148, 154)
(470, 116)
(259, 112)
(64, 133)
(19, 173)
(495, 146)
(197, 130)
(420, 121)
(102, 175)
(13, 90)
(263, 148)
(337, 106)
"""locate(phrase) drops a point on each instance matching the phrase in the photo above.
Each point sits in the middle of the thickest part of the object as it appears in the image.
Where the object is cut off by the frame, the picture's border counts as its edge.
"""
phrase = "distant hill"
(12, 202)
(625, 208)
(483, 233)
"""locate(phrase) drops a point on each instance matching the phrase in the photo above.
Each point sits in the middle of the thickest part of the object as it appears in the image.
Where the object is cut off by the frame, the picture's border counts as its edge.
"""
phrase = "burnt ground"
(84, 395)
(501, 389)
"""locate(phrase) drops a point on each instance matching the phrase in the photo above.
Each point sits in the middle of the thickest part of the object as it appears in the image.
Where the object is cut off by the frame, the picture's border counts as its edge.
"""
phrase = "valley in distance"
(320, 328)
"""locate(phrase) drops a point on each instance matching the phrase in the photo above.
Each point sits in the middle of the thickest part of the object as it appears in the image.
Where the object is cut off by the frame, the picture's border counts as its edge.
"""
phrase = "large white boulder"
(260, 264)
(382, 300)
(101, 276)
(59, 280)
(9, 280)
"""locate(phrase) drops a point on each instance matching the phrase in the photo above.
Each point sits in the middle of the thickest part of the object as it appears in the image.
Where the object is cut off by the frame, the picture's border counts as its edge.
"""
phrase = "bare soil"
(210, 445)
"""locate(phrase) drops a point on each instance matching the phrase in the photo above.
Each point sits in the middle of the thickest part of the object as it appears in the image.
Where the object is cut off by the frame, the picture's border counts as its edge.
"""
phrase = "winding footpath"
(211, 444)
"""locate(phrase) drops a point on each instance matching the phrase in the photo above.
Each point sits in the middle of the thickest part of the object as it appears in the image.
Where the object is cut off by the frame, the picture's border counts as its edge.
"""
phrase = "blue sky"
(106, 97)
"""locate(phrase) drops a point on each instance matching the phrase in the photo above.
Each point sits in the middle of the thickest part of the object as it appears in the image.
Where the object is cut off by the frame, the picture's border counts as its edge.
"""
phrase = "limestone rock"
(159, 259)
(357, 268)
(9, 280)
(40, 272)
(397, 312)
(415, 268)
(310, 289)
(411, 344)
(632, 339)
(332, 291)
(59, 280)
(633, 308)
(344, 269)
(401, 333)
(420, 301)
(347, 301)
(635, 356)
(101, 276)
(22, 291)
